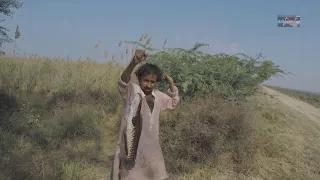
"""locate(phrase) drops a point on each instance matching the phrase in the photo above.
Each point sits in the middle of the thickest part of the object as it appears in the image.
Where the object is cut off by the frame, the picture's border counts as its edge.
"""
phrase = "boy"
(149, 162)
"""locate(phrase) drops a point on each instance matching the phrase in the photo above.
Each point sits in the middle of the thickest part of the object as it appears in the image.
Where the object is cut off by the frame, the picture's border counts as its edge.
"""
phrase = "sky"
(61, 28)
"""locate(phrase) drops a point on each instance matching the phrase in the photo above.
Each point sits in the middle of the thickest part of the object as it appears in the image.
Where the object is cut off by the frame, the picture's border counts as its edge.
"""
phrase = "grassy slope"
(311, 98)
(273, 143)
(67, 127)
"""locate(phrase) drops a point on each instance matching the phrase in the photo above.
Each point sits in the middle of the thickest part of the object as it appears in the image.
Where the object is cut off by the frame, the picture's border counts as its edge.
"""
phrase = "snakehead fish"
(132, 131)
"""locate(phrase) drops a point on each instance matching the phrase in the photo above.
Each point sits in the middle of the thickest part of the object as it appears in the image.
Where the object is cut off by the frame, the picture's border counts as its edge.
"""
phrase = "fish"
(133, 125)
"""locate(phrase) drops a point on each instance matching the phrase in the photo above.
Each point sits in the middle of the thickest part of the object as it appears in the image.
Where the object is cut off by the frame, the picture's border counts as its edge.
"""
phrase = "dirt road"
(310, 111)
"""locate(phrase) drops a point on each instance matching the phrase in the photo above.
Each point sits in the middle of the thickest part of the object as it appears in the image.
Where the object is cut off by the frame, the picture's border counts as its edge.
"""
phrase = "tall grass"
(58, 117)
(45, 75)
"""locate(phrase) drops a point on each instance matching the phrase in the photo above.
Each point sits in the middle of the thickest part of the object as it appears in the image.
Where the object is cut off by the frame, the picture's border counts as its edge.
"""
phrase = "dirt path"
(310, 111)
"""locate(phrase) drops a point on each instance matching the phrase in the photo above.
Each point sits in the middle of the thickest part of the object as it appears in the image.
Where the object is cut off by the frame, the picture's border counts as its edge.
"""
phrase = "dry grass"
(59, 76)
(58, 120)
(200, 130)
(277, 143)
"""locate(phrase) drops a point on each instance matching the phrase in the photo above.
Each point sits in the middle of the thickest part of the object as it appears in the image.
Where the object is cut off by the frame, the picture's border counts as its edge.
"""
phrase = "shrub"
(196, 73)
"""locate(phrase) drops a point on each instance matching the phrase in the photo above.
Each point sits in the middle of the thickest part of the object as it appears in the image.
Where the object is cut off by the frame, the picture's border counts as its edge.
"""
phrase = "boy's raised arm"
(125, 77)
(139, 56)
(126, 74)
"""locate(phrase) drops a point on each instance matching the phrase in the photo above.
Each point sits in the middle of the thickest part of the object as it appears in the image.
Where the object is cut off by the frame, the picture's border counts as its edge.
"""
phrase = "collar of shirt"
(143, 94)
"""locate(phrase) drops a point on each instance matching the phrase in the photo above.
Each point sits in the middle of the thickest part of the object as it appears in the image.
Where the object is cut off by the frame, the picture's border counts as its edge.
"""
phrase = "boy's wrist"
(133, 62)
(171, 86)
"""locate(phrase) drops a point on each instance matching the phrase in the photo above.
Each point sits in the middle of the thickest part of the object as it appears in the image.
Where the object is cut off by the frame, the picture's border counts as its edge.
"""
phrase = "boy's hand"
(167, 77)
(170, 81)
(139, 56)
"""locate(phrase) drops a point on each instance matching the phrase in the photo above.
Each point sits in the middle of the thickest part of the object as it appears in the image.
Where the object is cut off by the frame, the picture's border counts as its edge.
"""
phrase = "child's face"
(148, 83)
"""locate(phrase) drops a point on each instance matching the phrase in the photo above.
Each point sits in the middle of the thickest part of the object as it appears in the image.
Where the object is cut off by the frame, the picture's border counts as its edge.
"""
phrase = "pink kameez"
(149, 164)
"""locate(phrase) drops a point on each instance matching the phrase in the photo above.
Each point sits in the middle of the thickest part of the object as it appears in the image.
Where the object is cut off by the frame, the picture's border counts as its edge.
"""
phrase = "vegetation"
(59, 119)
(309, 97)
(197, 74)
(6, 9)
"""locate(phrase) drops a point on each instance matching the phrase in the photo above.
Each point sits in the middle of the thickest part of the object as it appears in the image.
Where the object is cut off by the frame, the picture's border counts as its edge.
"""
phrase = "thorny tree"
(6, 9)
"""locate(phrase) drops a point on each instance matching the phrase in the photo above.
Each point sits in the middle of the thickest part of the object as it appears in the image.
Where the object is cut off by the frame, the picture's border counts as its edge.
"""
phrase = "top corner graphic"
(288, 21)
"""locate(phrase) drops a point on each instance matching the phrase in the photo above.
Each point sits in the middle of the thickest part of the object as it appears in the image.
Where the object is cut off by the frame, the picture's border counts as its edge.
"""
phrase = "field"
(311, 98)
(59, 120)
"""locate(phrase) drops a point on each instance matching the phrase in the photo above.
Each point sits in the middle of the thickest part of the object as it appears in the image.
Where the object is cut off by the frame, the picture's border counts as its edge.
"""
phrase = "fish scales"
(132, 131)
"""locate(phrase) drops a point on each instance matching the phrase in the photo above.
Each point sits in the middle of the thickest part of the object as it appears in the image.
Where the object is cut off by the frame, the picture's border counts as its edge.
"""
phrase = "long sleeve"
(171, 99)
(124, 89)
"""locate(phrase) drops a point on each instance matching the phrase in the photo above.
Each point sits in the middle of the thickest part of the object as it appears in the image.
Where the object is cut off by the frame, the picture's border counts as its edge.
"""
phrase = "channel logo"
(288, 21)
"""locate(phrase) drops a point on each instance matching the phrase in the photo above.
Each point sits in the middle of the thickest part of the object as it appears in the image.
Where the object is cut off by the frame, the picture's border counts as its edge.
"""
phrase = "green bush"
(197, 73)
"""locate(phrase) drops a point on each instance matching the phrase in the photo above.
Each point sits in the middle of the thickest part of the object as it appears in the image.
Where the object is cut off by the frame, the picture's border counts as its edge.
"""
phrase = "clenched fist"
(139, 56)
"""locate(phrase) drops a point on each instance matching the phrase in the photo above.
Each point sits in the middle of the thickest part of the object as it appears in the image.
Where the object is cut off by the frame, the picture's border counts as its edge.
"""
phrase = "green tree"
(6, 9)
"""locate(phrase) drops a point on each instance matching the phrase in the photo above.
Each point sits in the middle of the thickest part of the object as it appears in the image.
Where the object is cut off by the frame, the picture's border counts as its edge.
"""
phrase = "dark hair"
(149, 69)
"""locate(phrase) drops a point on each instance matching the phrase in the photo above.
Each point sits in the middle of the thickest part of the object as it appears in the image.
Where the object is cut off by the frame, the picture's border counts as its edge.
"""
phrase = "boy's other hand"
(167, 77)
